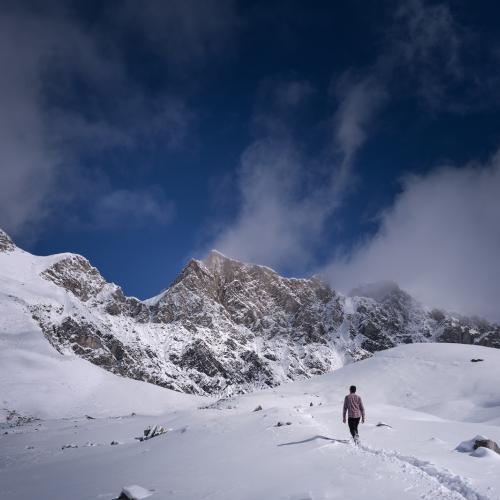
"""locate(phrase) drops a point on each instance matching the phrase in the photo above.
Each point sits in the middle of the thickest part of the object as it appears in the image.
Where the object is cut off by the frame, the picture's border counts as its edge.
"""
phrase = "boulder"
(134, 492)
(487, 443)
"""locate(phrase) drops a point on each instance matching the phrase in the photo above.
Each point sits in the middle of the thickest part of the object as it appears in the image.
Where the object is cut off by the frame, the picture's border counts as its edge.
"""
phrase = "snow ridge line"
(446, 479)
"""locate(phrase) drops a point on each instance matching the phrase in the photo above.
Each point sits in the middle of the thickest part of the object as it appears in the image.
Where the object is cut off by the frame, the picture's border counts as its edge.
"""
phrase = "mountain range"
(222, 326)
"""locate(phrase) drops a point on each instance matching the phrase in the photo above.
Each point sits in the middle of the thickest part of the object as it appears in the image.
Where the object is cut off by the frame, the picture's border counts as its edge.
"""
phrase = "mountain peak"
(6, 243)
(215, 259)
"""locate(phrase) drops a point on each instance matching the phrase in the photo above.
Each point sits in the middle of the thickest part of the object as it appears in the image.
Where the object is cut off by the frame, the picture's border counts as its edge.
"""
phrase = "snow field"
(228, 451)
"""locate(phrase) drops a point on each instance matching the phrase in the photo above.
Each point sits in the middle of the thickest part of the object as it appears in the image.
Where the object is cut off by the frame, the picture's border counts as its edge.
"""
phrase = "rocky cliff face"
(223, 326)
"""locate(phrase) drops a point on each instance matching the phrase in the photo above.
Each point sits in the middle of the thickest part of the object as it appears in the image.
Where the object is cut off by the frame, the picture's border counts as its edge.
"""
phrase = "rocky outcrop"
(6, 244)
(75, 274)
(388, 316)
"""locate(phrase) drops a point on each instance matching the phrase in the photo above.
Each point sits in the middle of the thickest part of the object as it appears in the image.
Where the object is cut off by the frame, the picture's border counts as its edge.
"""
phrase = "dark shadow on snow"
(308, 440)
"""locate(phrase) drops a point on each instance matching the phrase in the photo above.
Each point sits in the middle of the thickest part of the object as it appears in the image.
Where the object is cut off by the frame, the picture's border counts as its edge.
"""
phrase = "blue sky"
(312, 137)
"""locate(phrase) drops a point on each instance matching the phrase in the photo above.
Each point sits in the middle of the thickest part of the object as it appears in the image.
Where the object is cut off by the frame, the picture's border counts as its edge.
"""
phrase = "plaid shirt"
(353, 406)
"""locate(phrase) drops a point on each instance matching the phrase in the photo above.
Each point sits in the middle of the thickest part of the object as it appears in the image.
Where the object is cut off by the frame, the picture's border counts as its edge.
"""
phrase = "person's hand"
(363, 420)
(343, 420)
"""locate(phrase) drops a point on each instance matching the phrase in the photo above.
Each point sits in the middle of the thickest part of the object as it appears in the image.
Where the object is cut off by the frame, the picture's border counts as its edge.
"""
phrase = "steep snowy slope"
(37, 381)
(222, 326)
(431, 395)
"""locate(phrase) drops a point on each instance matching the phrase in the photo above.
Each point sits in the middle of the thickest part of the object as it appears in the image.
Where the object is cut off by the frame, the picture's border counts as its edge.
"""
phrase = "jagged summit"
(215, 255)
(216, 260)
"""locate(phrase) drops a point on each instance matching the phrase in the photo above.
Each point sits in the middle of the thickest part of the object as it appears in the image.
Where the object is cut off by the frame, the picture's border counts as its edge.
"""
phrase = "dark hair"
(352, 388)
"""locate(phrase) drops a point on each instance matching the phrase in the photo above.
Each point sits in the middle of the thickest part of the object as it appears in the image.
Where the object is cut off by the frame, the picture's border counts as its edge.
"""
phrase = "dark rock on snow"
(487, 443)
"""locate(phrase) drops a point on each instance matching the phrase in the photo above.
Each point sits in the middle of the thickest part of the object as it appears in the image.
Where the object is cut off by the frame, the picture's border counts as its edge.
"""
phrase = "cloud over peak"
(440, 241)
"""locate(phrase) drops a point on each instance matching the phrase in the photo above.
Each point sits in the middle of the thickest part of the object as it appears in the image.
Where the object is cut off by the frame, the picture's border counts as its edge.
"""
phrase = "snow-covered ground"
(431, 395)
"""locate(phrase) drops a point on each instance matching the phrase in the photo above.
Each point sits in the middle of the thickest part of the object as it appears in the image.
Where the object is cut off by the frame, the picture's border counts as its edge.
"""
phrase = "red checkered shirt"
(353, 406)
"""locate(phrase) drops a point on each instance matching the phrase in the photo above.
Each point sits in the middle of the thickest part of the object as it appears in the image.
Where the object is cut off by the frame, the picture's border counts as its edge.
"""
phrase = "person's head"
(352, 389)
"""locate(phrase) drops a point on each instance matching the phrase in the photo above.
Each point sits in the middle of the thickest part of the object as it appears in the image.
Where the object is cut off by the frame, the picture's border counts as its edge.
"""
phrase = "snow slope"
(38, 381)
(431, 395)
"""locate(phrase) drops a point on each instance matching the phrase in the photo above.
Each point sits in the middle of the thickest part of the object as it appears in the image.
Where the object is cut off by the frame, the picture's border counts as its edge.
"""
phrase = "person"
(353, 407)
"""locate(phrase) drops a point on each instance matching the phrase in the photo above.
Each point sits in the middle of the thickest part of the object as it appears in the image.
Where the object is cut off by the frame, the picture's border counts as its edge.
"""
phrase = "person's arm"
(362, 408)
(344, 411)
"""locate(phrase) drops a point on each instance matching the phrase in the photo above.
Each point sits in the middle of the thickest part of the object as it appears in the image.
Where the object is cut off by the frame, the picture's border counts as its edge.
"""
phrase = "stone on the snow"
(383, 424)
(259, 408)
(281, 424)
(134, 492)
(151, 432)
(487, 443)
(476, 360)
(468, 446)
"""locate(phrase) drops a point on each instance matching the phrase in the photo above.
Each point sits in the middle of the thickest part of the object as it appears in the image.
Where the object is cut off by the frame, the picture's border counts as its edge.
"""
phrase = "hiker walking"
(353, 406)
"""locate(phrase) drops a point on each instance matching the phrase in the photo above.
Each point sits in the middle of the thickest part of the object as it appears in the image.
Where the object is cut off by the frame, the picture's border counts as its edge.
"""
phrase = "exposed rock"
(6, 244)
(71, 445)
(16, 419)
(487, 443)
(476, 360)
(75, 274)
(151, 432)
(134, 492)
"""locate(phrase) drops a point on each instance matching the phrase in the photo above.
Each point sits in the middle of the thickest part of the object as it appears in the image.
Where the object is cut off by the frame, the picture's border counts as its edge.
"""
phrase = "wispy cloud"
(67, 91)
(287, 198)
(359, 101)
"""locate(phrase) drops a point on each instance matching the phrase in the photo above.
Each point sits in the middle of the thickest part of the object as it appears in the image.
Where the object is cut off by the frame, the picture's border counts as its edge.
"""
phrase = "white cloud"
(359, 102)
(440, 241)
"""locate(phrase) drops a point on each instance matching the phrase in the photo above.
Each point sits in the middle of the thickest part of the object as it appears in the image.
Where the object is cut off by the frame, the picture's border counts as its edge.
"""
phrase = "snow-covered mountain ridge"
(222, 326)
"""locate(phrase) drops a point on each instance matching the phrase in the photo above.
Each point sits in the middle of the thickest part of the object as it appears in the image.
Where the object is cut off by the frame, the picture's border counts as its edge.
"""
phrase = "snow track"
(448, 483)
(442, 482)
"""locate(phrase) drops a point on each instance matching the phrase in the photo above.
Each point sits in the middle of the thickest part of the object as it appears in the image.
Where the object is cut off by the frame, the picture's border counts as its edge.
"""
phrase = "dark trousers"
(353, 426)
